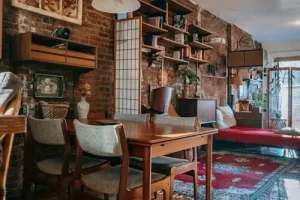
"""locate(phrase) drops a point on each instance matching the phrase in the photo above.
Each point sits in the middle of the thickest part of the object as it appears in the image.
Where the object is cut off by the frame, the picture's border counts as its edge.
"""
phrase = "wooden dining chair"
(132, 117)
(96, 115)
(171, 166)
(120, 180)
(52, 132)
(10, 124)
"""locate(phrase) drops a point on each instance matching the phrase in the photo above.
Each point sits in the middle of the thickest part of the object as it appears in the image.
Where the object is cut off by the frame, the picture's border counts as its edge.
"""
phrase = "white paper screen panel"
(128, 66)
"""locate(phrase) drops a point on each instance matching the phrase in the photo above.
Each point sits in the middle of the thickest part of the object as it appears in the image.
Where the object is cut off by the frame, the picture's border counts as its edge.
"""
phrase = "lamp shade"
(116, 6)
(237, 80)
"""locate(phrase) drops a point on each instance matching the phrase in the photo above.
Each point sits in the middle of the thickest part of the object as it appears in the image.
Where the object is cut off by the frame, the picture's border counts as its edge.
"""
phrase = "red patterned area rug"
(242, 176)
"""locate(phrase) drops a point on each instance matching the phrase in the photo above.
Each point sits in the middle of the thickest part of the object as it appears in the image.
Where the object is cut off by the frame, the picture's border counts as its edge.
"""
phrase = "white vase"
(83, 108)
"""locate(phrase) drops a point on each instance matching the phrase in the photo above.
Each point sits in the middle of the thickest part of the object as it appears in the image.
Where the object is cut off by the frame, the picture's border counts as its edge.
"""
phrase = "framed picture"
(48, 86)
(66, 10)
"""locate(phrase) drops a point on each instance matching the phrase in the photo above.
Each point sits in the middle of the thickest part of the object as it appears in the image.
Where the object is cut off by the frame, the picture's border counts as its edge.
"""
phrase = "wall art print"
(48, 86)
(66, 10)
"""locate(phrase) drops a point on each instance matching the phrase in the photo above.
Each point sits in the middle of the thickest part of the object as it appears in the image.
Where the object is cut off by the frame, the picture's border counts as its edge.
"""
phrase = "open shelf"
(197, 29)
(150, 10)
(148, 28)
(200, 45)
(197, 60)
(177, 61)
(211, 76)
(174, 6)
(173, 29)
(171, 43)
(153, 49)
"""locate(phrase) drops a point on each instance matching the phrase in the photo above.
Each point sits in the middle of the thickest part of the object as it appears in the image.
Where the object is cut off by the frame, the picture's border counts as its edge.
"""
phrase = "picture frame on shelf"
(48, 86)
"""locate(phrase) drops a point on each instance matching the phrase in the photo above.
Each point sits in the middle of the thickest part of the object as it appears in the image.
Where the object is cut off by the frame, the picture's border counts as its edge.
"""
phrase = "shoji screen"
(128, 41)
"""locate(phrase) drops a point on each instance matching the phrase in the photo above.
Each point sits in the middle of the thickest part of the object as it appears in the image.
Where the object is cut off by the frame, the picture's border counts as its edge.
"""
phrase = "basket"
(54, 110)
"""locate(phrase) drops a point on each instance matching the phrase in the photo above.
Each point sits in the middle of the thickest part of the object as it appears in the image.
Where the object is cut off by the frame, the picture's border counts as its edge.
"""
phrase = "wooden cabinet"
(34, 47)
(245, 58)
(204, 109)
(248, 119)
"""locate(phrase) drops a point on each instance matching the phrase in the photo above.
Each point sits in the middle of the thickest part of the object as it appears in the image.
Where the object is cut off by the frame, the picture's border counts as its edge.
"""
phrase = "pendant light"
(116, 6)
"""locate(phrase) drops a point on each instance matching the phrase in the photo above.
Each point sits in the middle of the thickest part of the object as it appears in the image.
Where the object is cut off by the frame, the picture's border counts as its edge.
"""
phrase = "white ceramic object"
(83, 108)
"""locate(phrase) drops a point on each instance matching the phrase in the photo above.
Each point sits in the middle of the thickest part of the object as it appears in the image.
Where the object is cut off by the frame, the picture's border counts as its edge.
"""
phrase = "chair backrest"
(178, 121)
(47, 131)
(98, 140)
(131, 117)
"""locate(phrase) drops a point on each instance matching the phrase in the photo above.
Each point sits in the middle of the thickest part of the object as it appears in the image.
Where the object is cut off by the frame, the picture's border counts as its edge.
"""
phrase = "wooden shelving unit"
(197, 60)
(177, 61)
(200, 45)
(153, 49)
(197, 29)
(210, 76)
(173, 29)
(148, 28)
(171, 43)
(150, 9)
(32, 47)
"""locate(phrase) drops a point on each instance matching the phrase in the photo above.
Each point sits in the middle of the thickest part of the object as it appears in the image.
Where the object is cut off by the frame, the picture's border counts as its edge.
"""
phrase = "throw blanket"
(10, 85)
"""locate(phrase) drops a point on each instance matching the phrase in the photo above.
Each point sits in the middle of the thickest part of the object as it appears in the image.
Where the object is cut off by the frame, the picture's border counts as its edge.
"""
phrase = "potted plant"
(188, 77)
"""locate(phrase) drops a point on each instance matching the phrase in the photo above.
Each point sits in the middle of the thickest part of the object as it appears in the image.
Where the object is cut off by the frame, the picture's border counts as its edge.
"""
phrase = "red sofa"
(258, 136)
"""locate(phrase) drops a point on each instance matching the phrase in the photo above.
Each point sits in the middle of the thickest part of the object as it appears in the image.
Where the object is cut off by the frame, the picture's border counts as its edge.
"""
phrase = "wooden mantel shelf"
(34, 47)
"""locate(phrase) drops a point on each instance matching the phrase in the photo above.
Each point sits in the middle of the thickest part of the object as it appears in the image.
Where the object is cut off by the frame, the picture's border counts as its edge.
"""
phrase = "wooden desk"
(148, 140)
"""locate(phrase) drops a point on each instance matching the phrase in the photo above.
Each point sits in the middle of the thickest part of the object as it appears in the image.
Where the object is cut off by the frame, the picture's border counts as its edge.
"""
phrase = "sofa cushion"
(228, 116)
(220, 120)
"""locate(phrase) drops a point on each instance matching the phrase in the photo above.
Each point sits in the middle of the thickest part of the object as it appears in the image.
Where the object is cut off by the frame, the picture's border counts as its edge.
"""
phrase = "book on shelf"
(156, 21)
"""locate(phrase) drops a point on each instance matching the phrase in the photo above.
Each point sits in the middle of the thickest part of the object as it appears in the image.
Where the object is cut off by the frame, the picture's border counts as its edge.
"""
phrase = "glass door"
(278, 97)
(295, 97)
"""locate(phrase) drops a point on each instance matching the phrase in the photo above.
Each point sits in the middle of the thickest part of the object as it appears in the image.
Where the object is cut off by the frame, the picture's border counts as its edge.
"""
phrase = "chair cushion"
(162, 163)
(53, 166)
(107, 180)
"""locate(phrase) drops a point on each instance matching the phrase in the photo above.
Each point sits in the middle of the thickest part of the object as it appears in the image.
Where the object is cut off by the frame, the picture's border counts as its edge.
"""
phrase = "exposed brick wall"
(96, 29)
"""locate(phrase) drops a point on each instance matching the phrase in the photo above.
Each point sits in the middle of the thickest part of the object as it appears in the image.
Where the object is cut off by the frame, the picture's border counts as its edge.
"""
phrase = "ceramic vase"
(186, 92)
(83, 108)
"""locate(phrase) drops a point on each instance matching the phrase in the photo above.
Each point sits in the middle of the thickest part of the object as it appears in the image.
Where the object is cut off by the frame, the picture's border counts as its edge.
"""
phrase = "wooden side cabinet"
(204, 109)
(34, 47)
(245, 58)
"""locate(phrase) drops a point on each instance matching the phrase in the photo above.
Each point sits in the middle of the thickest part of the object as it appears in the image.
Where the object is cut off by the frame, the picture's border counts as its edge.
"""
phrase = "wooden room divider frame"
(128, 62)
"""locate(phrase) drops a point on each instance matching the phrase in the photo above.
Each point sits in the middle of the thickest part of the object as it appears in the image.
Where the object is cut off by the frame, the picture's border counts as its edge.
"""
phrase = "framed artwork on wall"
(66, 10)
(48, 86)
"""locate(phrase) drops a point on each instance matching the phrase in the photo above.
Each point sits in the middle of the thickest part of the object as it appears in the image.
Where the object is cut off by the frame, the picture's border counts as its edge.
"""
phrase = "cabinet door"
(254, 58)
(236, 59)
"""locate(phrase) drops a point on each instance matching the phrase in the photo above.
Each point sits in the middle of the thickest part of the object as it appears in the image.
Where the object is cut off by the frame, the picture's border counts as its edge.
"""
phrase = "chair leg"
(171, 187)
(168, 195)
(27, 190)
(195, 183)
(106, 196)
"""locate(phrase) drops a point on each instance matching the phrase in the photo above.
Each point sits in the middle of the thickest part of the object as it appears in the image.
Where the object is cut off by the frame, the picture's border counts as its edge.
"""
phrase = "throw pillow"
(220, 120)
(228, 116)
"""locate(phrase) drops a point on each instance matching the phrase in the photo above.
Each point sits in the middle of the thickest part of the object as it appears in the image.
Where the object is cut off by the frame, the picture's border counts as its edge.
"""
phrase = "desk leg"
(208, 167)
(147, 174)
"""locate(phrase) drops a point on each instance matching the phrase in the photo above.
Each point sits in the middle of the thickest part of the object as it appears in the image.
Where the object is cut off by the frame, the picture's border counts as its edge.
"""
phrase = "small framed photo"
(48, 86)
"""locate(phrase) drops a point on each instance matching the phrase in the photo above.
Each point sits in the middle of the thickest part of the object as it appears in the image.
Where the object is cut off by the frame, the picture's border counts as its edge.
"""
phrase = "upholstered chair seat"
(159, 164)
(107, 181)
(54, 166)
